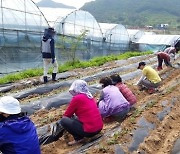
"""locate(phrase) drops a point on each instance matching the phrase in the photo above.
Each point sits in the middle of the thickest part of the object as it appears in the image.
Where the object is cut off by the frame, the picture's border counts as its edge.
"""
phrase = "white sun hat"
(9, 105)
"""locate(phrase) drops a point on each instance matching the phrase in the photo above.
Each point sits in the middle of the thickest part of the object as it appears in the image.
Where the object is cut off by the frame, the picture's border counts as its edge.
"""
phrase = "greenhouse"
(21, 29)
(78, 35)
(116, 37)
(156, 42)
(80, 29)
(135, 34)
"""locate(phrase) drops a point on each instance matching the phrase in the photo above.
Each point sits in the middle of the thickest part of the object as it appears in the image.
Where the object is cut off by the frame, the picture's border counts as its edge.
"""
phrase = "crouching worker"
(127, 93)
(150, 79)
(17, 132)
(172, 51)
(88, 122)
(112, 103)
(163, 56)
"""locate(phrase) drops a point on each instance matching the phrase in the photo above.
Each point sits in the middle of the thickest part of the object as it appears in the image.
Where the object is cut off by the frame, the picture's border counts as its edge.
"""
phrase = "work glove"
(135, 84)
(53, 60)
(56, 131)
(174, 58)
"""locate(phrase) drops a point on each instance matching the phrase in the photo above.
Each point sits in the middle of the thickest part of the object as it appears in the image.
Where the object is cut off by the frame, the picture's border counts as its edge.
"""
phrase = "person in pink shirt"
(127, 93)
(111, 102)
(89, 121)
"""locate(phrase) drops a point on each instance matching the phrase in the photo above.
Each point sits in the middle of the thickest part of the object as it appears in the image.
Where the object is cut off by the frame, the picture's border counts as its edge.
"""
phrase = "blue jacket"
(18, 136)
(47, 46)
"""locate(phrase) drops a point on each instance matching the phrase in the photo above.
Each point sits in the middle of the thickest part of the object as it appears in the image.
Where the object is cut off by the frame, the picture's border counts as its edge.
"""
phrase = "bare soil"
(160, 140)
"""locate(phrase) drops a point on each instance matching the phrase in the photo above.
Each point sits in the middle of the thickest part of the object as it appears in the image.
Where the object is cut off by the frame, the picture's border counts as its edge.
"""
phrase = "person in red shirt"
(89, 121)
(163, 56)
(127, 93)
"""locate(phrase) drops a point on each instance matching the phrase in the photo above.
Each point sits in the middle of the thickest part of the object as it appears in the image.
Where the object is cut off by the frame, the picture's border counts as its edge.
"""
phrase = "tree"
(70, 44)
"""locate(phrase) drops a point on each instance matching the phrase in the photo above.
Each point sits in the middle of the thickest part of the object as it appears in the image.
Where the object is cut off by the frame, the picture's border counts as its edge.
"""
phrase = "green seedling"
(150, 104)
(69, 65)
(137, 112)
(103, 149)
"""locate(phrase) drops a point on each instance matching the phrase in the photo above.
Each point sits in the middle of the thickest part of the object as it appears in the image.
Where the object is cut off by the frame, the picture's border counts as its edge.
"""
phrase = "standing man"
(149, 79)
(48, 53)
(17, 132)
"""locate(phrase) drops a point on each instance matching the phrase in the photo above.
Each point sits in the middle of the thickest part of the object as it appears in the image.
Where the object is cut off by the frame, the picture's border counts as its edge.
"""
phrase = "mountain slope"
(52, 4)
(135, 12)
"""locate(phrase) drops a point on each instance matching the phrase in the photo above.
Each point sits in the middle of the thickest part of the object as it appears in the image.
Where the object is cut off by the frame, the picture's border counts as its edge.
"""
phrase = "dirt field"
(152, 128)
(160, 139)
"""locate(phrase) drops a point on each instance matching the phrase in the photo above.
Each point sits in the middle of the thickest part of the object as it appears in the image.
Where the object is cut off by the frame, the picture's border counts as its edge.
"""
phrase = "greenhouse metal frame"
(78, 36)
(21, 29)
(94, 43)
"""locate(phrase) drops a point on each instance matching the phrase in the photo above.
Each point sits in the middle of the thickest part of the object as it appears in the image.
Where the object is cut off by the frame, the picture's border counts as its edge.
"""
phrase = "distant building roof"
(158, 39)
(150, 33)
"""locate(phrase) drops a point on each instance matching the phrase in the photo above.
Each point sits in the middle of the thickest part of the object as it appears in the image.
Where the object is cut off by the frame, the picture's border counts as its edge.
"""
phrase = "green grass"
(96, 61)
(21, 75)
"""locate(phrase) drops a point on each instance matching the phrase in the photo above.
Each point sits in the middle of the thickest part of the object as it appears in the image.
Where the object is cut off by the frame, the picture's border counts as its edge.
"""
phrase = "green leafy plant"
(133, 120)
(70, 65)
(124, 132)
(103, 149)
(137, 112)
(114, 138)
(70, 45)
(150, 104)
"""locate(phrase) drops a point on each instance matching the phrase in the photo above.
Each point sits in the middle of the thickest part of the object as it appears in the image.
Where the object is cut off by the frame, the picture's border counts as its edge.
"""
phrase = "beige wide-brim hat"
(9, 105)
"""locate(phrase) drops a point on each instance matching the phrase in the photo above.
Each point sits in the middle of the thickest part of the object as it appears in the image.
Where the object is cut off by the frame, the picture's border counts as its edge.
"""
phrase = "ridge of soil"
(160, 139)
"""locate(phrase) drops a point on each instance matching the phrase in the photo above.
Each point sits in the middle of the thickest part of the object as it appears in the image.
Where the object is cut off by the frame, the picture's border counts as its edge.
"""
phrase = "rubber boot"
(53, 76)
(45, 79)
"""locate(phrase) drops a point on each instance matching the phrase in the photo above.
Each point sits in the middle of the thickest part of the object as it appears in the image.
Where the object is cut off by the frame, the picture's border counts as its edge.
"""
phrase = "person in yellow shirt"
(150, 78)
